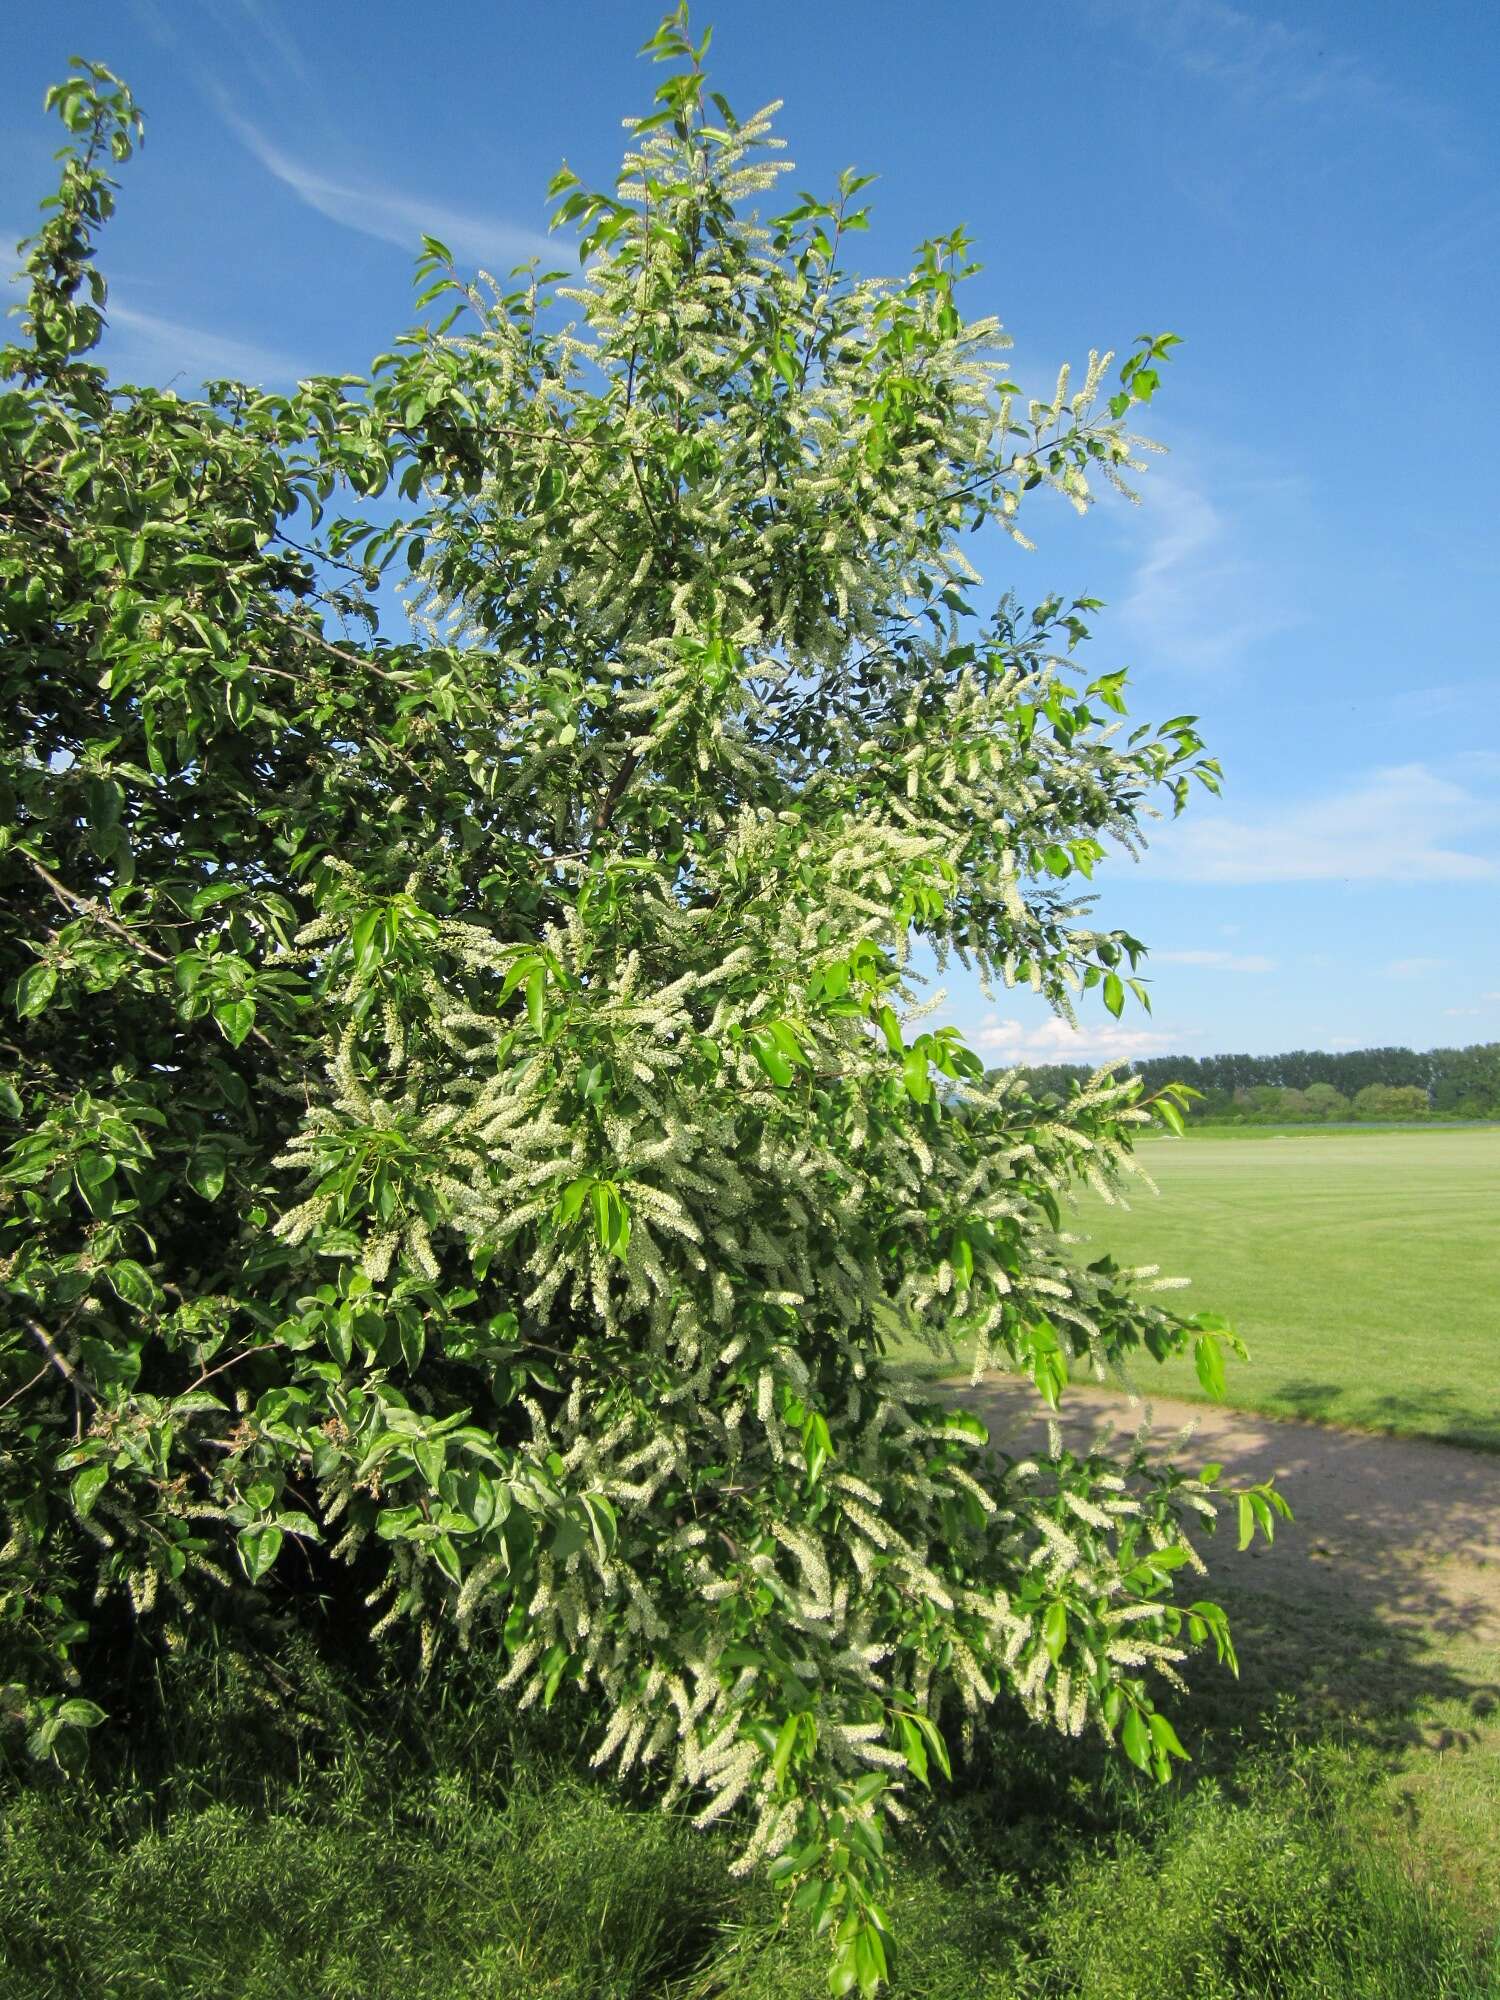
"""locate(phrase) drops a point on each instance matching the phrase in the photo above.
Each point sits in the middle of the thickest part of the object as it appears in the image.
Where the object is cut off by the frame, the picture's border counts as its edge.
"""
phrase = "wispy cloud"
(1196, 599)
(1414, 968)
(160, 349)
(1269, 65)
(255, 42)
(1010, 1041)
(1406, 823)
(1217, 961)
(277, 40)
(393, 215)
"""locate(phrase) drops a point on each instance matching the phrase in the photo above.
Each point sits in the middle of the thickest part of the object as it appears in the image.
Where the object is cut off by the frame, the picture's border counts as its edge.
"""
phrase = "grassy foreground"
(390, 1855)
(1362, 1268)
(1334, 1838)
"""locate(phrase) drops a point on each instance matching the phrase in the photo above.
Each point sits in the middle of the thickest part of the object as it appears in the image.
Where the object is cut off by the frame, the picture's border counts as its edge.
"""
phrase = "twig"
(15, 1394)
(208, 1374)
(319, 555)
(85, 906)
(316, 638)
(83, 1389)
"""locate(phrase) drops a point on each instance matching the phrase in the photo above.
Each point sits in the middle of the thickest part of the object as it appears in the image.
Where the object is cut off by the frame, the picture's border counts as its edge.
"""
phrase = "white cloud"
(1270, 66)
(279, 43)
(258, 48)
(392, 216)
(1262, 58)
(1216, 961)
(162, 348)
(1454, 1013)
(1405, 823)
(1196, 599)
(1413, 968)
(1055, 1041)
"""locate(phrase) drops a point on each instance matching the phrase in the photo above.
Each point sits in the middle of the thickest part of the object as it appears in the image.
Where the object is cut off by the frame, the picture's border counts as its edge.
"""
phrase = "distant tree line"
(1317, 1086)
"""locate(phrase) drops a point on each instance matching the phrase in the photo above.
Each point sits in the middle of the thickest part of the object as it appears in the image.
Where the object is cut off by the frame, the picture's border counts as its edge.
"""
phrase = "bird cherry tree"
(474, 1141)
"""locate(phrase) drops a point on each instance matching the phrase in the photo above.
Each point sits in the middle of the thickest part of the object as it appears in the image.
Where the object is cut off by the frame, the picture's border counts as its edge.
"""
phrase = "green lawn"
(1362, 1268)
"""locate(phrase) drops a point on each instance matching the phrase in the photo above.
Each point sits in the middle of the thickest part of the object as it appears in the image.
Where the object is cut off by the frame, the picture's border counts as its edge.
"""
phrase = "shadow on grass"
(1444, 1404)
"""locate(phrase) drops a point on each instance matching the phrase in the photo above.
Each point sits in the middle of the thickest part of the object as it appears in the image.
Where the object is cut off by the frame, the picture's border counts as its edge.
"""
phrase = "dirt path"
(1397, 1528)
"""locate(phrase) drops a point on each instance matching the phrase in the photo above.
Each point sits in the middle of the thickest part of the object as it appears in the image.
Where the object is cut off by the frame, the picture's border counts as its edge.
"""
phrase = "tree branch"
(86, 907)
(628, 768)
(83, 1389)
(316, 638)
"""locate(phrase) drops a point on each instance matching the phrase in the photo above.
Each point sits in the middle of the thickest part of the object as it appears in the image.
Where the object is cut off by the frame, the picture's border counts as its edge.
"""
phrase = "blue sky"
(1308, 196)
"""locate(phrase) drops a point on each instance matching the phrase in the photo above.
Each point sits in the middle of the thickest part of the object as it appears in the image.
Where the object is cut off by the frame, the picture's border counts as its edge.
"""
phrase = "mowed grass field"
(1361, 1268)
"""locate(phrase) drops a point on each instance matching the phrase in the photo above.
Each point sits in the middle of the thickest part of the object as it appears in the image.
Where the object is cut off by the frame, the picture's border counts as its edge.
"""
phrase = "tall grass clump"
(389, 1850)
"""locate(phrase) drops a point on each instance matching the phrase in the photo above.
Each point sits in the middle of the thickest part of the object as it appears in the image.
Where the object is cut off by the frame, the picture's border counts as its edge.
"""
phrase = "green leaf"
(1208, 1359)
(571, 1201)
(78, 1713)
(817, 1445)
(890, 1027)
(132, 1283)
(536, 994)
(1055, 1630)
(1170, 1116)
(413, 1334)
(918, 1082)
(913, 1748)
(843, 1974)
(367, 940)
(259, 1546)
(86, 1487)
(206, 1171)
(763, 1047)
(1135, 1738)
(934, 1739)
(34, 989)
(603, 1521)
(1165, 1737)
(1114, 993)
(785, 1743)
(236, 1018)
(395, 1524)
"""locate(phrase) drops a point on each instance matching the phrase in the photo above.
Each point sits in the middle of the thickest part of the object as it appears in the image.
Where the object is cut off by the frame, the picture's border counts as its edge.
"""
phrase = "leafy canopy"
(471, 1147)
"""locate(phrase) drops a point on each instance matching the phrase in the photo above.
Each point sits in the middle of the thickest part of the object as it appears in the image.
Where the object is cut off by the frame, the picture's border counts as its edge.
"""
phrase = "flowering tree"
(470, 1132)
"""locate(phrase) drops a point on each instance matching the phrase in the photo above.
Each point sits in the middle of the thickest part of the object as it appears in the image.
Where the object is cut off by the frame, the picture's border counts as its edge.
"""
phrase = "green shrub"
(454, 1861)
(1383, 1101)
